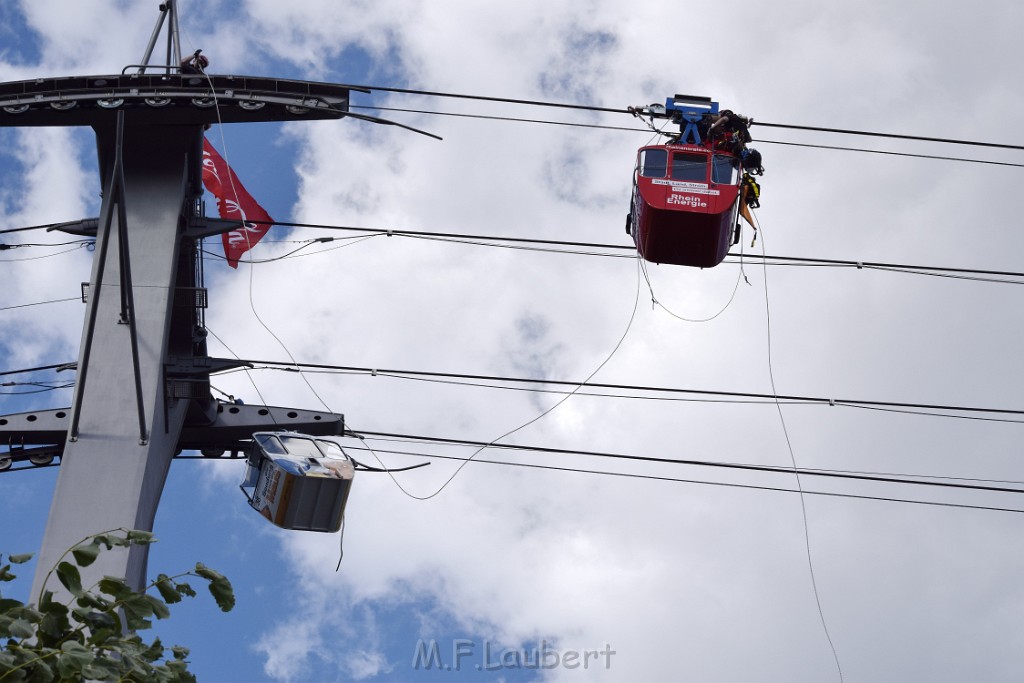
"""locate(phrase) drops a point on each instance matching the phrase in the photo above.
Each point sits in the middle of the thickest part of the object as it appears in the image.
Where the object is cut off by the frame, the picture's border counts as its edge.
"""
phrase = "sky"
(683, 580)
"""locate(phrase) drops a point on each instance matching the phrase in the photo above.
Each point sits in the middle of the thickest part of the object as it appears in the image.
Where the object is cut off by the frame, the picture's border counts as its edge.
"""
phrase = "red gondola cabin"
(687, 194)
(685, 205)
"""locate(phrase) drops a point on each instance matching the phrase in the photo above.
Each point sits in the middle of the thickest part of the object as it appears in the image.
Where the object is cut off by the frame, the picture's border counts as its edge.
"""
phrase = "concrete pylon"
(143, 385)
(111, 473)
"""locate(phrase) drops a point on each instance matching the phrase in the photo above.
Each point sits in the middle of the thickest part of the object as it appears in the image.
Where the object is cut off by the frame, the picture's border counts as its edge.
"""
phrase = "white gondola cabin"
(298, 481)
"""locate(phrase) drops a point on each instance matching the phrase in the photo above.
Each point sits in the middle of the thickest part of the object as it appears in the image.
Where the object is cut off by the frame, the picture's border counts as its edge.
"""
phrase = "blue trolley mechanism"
(298, 481)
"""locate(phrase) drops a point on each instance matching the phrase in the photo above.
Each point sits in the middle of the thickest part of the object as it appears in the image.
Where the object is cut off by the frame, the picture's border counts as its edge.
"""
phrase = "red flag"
(234, 203)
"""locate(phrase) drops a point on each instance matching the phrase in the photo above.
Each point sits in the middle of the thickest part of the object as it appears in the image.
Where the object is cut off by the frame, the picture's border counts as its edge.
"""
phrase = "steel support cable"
(935, 157)
(412, 439)
(651, 477)
(40, 303)
(25, 371)
(696, 463)
(782, 260)
(47, 226)
(512, 119)
(21, 245)
(22, 259)
(621, 110)
(779, 260)
(890, 136)
(878, 265)
(792, 456)
(41, 390)
(751, 398)
(595, 394)
(631, 129)
(634, 387)
(485, 98)
(544, 413)
(58, 383)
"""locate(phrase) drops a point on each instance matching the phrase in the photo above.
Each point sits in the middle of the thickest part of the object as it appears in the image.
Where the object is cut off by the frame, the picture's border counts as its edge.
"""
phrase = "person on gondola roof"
(196, 64)
(729, 131)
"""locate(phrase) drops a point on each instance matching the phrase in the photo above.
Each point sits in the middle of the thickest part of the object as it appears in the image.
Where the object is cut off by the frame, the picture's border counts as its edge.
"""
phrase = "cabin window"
(689, 167)
(293, 467)
(331, 449)
(270, 444)
(653, 163)
(300, 447)
(725, 170)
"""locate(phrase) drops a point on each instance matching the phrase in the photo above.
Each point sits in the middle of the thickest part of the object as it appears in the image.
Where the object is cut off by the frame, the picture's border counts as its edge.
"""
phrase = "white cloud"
(649, 567)
(287, 648)
(715, 577)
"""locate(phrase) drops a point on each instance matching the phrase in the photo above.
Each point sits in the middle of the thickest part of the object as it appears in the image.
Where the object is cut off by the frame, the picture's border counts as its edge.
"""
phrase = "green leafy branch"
(94, 635)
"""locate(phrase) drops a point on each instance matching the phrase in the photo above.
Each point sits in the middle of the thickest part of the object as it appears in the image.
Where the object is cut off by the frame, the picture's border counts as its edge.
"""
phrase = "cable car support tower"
(143, 388)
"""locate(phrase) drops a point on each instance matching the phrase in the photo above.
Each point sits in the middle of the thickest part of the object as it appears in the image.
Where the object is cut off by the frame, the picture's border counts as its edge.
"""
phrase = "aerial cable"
(578, 387)
(950, 276)
(633, 387)
(783, 260)
(438, 378)
(915, 412)
(484, 98)
(891, 153)
(374, 372)
(891, 136)
(616, 110)
(234, 192)
(792, 455)
(248, 245)
(511, 119)
(294, 252)
(420, 233)
(482, 240)
(647, 477)
(45, 226)
(359, 466)
(20, 245)
(521, 247)
(899, 267)
(38, 390)
(255, 387)
(869, 475)
(756, 487)
(44, 256)
(655, 302)
(46, 384)
(57, 366)
(633, 475)
(631, 129)
(923, 480)
(484, 385)
(230, 397)
(923, 409)
(40, 303)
